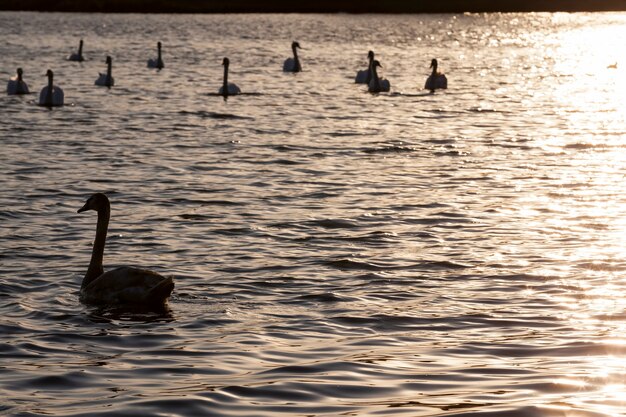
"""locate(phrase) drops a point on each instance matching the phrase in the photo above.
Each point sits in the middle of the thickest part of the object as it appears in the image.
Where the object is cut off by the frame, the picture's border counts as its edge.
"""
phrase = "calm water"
(334, 252)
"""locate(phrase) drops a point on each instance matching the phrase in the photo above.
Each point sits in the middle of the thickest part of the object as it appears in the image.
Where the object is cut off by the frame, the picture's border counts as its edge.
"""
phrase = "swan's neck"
(225, 87)
(80, 49)
(368, 78)
(296, 60)
(375, 77)
(159, 54)
(19, 77)
(434, 69)
(109, 67)
(48, 99)
(95, 265)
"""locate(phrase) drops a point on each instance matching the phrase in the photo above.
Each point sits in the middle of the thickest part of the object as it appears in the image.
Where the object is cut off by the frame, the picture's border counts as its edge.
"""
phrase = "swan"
(158, 61)
(17, 85)
(435, 80)
(79, 55)
(377, 85)
(364, 76)
(106, 80)
(228, 89)
(293, 64)
(51, 95)
(124, 285)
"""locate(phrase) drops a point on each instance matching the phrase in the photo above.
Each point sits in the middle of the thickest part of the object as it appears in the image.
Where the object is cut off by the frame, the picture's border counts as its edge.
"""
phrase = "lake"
(335, 252)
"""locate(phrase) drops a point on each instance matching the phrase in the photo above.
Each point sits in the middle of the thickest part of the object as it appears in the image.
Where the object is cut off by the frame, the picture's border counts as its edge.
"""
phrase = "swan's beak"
(83, 208)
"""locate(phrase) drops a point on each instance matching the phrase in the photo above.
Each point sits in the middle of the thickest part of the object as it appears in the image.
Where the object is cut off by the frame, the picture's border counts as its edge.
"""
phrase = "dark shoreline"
(320, 6)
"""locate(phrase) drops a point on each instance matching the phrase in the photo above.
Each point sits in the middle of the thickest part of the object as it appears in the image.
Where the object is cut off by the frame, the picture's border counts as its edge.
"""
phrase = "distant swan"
(293, 64)
(51, 95)
(17, 85)
(228, 89)
(124, 285)
(364, 76)
(106, 80)
(436, 80)
(158, 61)
(376, 84)
(79, 55)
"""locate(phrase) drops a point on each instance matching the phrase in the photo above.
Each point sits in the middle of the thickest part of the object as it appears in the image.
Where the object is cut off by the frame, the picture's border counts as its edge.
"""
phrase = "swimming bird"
(106, 80)
(124, 285)
(17, 85)
(436, 80)
(293, 64)
(158, 61)
(228, 89)
(376, 84)
(51, 95)
(364, 76)
(78, 56)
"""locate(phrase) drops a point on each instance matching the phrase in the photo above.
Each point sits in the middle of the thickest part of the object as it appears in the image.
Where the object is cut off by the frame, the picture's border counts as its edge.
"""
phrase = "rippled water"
(334, 252)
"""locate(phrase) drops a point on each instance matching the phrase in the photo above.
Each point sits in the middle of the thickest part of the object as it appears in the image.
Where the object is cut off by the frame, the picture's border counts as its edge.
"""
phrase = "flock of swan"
(52, 95)
(136, 286)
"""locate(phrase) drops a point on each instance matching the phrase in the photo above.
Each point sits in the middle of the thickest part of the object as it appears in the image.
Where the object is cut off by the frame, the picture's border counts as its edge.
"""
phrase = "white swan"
(293, 64)
(17, 85)
(51, 95)
(106, 80)
(228, 89)
(435, 80)
(78, 56)
(364, 76)
(124, 285)
(158, 61)
(377, 85)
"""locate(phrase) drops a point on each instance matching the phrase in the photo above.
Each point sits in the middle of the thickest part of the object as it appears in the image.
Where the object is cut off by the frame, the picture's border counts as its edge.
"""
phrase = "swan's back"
(104, 80)
(383, 86)
(16, 86)
(128, 285)
(57, 96)
(436, 82)
(155, 63)
(361, 76)
(232, 89)
(290, 65)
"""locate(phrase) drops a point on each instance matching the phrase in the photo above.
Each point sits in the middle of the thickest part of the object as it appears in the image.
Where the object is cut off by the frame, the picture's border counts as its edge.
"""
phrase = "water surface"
(334, 252)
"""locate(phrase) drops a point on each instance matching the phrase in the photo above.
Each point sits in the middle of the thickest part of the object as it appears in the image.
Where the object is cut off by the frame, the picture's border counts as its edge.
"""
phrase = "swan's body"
(51, 95)
(158, 61)
(17, 85)
(106, 79)
(125, 285)
(228, 89)
(376, 84)
(435, 80)
(293, 64)
(364, 76)
(78, 56)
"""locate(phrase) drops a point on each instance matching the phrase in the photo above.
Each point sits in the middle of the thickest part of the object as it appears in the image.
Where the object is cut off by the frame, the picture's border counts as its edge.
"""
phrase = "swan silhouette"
(376, 84)
(78, 56)
(293, 64)
(106, 80)
(228, 89)
(51, 95)
(158, 61)
(435, 80)
(364, 76)
(17, 85)
(124, 285)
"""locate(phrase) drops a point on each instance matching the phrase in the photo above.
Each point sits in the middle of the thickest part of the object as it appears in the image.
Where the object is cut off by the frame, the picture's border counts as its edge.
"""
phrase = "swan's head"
(19, 72)
(433, 63)
(96, 202)
(225, 62)
(108, 60)
(370, 55)
(49, 74)
(80, 43)
(295, 45)
(159, 45)
(376, 63)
